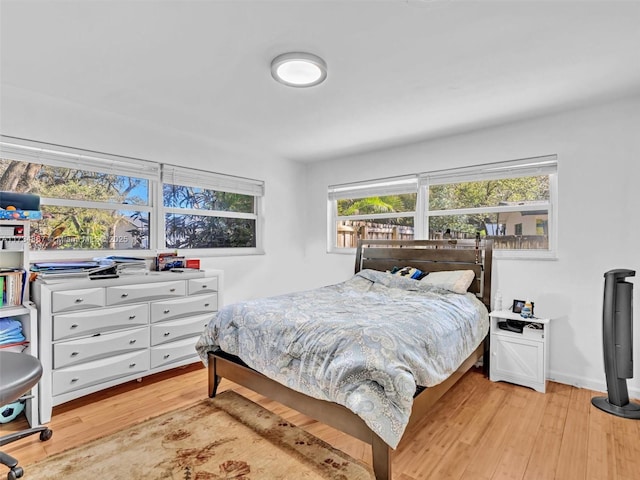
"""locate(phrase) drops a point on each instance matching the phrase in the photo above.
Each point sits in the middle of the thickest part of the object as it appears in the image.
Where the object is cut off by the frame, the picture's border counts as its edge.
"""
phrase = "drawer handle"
(124, 295)
(167, 311)
(172, 289)
(73, 354)
(206, 304)
(204, 286)
(131, 317)
(166, 334)
(166, 356)
(73, 380)
(131, 365)
(79, 300)
(75, 325)
(132, 341)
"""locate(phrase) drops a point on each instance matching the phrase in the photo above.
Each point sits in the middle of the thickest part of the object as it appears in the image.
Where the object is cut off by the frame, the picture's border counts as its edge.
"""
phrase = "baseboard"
(588, 383)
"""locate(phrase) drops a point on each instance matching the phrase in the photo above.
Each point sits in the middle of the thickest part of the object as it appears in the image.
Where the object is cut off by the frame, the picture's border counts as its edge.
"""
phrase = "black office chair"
(19, 373)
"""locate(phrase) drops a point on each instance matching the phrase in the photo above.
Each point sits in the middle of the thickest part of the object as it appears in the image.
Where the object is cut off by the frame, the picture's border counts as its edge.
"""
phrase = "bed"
(353, 355)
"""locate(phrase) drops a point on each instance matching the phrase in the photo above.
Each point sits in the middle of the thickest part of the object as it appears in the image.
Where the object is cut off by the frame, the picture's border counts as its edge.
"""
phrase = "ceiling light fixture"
(299, 69)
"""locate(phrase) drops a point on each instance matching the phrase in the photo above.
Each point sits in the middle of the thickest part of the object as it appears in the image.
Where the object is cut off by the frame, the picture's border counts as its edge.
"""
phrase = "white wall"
(599, 166)
(45, 119)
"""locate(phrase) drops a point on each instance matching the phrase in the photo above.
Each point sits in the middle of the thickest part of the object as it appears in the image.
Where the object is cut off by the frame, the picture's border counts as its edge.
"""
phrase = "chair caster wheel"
(46, 435)
(15, 473)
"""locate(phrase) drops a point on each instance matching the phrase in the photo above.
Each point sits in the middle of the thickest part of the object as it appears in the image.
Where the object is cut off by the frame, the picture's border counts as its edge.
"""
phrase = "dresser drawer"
(99, 321)
(166, 310)
(176, 329)
(77, 299)
(144, 292)
(174, 352)
(196, 286)
(92, 348)
(86, 374)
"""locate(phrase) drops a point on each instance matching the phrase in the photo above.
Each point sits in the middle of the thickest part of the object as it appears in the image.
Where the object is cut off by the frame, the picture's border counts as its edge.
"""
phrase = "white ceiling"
(399, 70)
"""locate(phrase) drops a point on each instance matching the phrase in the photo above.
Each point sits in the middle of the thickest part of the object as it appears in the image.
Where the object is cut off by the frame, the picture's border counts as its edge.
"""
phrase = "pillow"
(457, 281)
(408, 272)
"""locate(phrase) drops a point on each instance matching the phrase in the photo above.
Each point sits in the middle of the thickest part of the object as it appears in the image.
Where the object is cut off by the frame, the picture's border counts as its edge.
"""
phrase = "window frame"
(526, 167)
(13, 148)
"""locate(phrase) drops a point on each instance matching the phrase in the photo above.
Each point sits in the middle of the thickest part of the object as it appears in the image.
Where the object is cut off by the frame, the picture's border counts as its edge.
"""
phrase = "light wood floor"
(479, 430)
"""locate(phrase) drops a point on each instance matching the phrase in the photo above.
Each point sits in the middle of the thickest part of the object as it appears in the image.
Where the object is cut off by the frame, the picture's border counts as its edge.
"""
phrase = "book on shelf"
(13, 282)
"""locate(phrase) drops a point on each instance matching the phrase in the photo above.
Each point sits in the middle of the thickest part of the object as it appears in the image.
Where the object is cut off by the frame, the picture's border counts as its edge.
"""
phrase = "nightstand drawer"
(517, 360)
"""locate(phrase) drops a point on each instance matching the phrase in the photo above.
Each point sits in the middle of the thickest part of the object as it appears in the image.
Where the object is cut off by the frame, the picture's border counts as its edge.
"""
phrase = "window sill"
(220, 252)
(525, 255)
(342, 251)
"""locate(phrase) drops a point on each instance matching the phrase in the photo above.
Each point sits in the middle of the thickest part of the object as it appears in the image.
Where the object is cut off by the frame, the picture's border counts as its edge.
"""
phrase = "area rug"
(228, 437)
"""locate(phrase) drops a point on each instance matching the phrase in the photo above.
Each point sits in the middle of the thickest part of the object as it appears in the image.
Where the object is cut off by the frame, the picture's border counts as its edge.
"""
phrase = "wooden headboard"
(431, 256)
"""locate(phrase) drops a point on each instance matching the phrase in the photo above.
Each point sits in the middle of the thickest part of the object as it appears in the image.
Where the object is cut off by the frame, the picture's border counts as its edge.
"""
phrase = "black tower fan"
(617, 339)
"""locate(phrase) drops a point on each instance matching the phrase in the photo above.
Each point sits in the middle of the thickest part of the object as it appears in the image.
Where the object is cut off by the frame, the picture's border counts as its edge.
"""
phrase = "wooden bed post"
(214, 379)
(381, 458)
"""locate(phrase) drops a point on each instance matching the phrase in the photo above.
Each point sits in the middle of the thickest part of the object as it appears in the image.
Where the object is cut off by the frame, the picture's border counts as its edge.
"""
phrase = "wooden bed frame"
(428, 256)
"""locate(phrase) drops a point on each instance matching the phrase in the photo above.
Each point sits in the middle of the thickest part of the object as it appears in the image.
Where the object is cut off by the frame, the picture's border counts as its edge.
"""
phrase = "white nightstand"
(519, 358)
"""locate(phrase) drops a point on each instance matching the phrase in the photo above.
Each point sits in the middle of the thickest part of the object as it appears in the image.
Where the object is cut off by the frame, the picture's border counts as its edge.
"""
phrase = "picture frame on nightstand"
(518, 305)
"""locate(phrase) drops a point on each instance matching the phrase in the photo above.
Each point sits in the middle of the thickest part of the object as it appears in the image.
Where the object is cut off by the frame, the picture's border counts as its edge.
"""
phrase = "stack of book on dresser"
(52, 271)
(103, 267)
(169, 261)
(126, 265)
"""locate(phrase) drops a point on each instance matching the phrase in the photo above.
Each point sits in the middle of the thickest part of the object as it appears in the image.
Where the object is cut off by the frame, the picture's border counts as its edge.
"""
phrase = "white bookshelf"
(15, 254)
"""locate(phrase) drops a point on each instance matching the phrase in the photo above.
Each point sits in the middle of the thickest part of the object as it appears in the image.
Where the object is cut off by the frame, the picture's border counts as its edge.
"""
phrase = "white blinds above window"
(374, 188)
(527, 167)
(212, 181)
(58, 156)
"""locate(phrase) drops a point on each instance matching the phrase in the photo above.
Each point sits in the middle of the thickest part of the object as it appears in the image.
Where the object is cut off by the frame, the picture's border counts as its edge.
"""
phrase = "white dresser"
(95, 334)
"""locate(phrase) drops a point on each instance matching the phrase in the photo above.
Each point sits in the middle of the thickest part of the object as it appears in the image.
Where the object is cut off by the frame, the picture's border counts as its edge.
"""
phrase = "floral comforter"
(365, 343)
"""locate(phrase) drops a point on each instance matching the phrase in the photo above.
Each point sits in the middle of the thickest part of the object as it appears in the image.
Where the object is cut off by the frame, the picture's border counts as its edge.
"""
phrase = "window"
(518, 229)
(509, 202)
(88, 201)
(95, 201)
(205, 210)
(384, 209)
